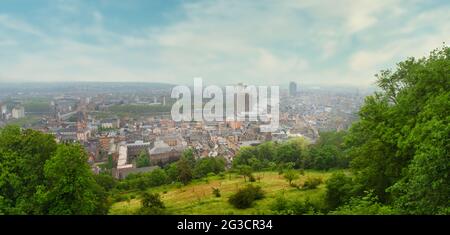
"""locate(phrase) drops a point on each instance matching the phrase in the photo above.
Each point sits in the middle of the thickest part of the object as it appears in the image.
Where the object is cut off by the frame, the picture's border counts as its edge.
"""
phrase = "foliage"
(139, 109)
(311, 182)
(152, 204)
(23, 154)
(143, 159)
(290, 176)
(340, 188)
(245, 197)
(184, 167)
(71, 188)
(216, 192)
(283, 206)
(245, 171)
(207, 165)
(328, 152)
(399, 147)
(365, 205)
(141, 181)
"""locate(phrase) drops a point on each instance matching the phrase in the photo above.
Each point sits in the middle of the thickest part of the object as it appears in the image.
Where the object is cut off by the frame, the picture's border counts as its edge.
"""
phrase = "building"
(18, 112)
(292, 89)
(110, 123)
(162, 153)
(136, 148)
(3, 111)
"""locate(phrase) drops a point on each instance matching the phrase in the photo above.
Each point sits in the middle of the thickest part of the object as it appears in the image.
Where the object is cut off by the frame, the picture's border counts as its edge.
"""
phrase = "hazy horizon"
(314, 43)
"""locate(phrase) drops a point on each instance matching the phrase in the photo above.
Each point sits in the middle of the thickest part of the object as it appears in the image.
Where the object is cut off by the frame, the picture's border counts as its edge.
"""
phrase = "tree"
(184, 170)
(365, 205)
(290, 176)
(339, 189)
(399, 147)
(245, 171)
(143, 159)
(188, 155)
(23, 154)
(71, 187)
(157, 177)
(292, 151)
(245, 197)
(425, 188)
(152, 204)
(207, 165)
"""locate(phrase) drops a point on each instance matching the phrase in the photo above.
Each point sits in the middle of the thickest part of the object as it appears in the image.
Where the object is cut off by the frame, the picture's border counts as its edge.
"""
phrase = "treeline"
(397, 153)
(327, 153)
(39, 176)
(182, 171)
(399, 149)
(140, 108)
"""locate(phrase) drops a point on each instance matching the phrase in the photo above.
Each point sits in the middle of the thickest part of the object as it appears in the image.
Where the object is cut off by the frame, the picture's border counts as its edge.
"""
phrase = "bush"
(280, 205)
(245, 197)
(152, 204)
(366, 205)
(339, 190)
(251, 178)
(216, 192)
(312, 182)
(283, 206)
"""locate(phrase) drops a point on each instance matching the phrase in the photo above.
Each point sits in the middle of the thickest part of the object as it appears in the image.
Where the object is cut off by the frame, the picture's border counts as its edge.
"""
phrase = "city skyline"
(224, 42)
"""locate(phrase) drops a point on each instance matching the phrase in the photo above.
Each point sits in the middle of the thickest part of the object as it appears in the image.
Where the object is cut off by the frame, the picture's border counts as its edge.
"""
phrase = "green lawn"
(197, 198)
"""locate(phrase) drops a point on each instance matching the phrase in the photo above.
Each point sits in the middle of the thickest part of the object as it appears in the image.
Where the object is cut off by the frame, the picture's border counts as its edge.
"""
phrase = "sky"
(260, 42)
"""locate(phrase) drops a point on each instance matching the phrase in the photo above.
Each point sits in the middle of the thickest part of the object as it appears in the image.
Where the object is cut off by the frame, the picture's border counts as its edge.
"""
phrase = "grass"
(197, 198)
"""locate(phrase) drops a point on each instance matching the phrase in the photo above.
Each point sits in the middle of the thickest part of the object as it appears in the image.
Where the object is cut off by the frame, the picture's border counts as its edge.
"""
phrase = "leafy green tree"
(365, 205)
(425, 188)
(172, 172)
(189, 156)
(106, 181)
(245, 171)
(23, 154)
(71, 187)
(143, 159)
(244, 155)
(152, 204)
(184, 170)
(245, 197)
(290, 176)
(399, 145)
(339, 189)
(157, 177)
(293, 151)
(207, 165)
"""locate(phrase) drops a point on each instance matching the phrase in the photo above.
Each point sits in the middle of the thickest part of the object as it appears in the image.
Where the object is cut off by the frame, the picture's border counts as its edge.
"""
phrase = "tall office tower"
(292, 89)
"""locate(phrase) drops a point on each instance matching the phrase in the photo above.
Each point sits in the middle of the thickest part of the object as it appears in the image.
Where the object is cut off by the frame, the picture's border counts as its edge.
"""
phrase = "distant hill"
(80, 86)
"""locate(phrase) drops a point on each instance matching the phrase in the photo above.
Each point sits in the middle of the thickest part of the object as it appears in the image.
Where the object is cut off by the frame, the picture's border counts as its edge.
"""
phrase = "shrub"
(340, 188)
(280, 205)
(216, 192)
(365, 205)
(251, 178)
(152, 204)
(245, 197)
(312, 182)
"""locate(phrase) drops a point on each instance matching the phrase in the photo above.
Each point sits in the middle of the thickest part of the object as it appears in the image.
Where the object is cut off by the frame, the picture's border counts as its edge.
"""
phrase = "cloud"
(17, 25)
(224, 41)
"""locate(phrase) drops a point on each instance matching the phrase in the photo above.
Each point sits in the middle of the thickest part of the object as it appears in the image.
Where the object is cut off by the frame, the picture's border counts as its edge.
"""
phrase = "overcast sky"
(342, 42)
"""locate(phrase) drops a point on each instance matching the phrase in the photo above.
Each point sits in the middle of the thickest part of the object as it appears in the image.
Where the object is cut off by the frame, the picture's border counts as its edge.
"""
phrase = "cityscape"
(224, 115)
(116, 122)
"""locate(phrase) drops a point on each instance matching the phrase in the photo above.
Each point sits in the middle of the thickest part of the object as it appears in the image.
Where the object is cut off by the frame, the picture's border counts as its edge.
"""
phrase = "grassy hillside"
(197, 197)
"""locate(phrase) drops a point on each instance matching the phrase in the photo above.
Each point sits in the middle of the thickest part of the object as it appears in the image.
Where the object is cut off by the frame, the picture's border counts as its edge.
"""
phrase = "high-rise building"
(3, 111)
(18, 112)
(292, 89)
